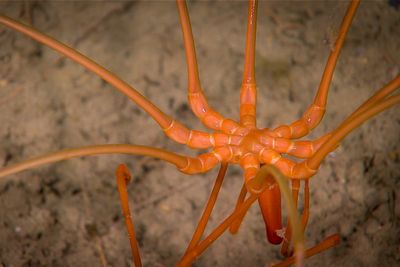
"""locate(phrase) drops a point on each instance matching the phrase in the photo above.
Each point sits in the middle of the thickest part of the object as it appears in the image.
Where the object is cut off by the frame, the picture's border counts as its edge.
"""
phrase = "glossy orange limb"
(327, 243)
(304, 218)
(123, 177)
(306, 208)
(378, 96)
(197, 100)
(316, 111)
(288, 233)
(234, 228)
(248, 93)
(178, 160)
(266, 172)
(263, 179)
(345, 128)
(231, 141)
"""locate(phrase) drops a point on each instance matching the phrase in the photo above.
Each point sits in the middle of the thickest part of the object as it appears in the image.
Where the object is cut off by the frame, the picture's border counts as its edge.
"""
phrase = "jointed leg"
(200, 164)
(89, 64)
(309, 167)
(172, 128)
(306, 204)
(248, 92)
(315, 112)
(261, 180)
(299, 149)
(345, 128)
(197, 99)
(288, 233)
(304, 218)
(378, 96)
(236, 224)
(374, 105)
(289, 168)
(267, 171)
(178, 160)
(251, 166)
(328, 242)
(123, 177)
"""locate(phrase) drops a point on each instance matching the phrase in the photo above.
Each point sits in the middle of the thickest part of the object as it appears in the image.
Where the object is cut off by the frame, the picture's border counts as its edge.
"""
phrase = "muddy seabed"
(68, 214)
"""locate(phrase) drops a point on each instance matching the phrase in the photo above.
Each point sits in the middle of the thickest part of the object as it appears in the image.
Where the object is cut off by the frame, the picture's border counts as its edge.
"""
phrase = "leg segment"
(178, 160)
(123, 177)
(281, 180)
(288, 233)
(198, 139)
(161, 118)
(288, 167)
(346, 127)
(250, 166)
(304, 218)
(329, 242)
(236, 224)
(248, 93)
(315, 112)
(197, 100)
(206, 161)
(306, 210)
(378, 96)
(299, 149)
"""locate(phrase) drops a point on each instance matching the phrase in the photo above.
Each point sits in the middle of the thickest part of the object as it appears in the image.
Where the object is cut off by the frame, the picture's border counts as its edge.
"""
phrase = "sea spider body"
(234, 142)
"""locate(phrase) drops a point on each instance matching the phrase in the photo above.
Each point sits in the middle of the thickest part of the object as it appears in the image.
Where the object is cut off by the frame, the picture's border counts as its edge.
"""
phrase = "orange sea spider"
(235, 142)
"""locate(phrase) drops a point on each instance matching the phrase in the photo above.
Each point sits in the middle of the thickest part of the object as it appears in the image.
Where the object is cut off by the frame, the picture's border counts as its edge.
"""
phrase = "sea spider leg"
(123, 177)
(378, 96)
(296, 148)
(304, 217)
(306, 204)
(175, 159)
(207, 161)
(315, 112)
(197, 100)
(288, 167)
(268, 171)
(188, 165)
(248, 92)
(262, 183)
(269, 200)
(288, 233)
(327, 243)
(368, 109)
(236, 224)
(345, 128)
(208, 209)
(386, 90)
(309, 167)
(173, 129)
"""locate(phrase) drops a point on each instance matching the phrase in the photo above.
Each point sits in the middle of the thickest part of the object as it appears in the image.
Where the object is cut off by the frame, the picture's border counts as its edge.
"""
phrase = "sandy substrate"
(68, 214)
